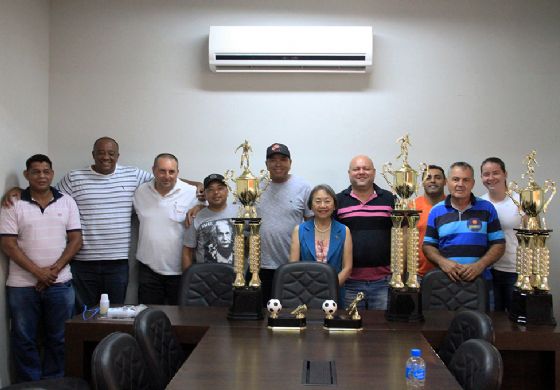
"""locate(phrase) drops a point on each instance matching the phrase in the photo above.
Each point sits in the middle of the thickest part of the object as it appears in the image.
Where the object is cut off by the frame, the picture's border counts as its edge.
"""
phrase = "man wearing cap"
(161, 205)
(209, 239)
(282, 206)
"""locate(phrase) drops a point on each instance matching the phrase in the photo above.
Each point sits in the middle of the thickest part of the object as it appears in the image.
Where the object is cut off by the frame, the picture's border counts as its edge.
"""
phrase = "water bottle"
(415, 370)
(104, 305)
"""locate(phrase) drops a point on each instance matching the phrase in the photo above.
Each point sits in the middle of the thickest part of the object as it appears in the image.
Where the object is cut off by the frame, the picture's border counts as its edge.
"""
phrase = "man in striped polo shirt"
(463, 237)
(366, 209)
(104, 193)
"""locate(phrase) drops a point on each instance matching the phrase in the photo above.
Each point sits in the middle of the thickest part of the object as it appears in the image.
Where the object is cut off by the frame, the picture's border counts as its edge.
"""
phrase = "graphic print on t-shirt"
(215, 240)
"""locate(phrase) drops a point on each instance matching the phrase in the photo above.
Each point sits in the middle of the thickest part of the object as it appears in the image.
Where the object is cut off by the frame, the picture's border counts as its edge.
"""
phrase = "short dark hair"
(37, 158)
(462, 164)
(330, 192)
(166, 155)
(494, 160)
(105, 139)
(433, 166)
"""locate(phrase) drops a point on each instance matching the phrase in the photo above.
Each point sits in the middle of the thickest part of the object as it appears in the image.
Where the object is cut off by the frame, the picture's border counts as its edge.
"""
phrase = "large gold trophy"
(247, 300)
(404, 298)
(531, 299)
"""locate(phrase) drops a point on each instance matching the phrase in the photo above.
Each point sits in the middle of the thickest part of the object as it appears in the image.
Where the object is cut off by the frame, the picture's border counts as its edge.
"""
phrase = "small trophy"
(404, 299)
(247, 300)
(531, 299)
(351, 321)
(275, 321)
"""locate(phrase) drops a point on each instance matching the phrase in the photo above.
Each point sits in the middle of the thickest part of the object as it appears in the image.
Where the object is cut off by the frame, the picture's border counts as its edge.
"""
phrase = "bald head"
(361, 173)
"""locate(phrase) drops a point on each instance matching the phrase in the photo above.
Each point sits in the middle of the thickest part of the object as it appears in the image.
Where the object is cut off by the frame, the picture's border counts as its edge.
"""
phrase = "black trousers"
(157, 289)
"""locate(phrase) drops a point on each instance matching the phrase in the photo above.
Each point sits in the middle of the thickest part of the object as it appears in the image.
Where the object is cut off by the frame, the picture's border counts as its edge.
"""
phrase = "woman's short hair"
(330, 192)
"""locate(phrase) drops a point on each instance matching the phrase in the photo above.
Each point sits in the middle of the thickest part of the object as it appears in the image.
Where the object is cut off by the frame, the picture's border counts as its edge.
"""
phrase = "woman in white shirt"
(494, 177)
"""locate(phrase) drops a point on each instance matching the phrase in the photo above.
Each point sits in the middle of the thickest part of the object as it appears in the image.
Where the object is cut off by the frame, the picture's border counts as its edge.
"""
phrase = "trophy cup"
(247, 299)
(531, 301)
(404, 299)
(351, 321)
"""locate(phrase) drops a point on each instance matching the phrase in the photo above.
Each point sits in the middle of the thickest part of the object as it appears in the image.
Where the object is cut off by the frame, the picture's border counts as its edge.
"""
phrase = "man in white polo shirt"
(40, 234)
(161, 206)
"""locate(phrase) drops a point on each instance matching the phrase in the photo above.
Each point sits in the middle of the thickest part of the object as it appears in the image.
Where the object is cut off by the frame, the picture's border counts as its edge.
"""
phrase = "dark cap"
(212, 178)
(277, 149)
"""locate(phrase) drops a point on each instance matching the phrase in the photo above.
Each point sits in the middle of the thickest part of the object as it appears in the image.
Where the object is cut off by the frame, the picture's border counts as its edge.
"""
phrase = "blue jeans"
(30, 309)
(376, 293)
(93, 278)
(503, 283)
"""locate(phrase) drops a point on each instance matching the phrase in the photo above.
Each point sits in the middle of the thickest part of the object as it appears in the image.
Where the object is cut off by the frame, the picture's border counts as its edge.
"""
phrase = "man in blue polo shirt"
(463, 237)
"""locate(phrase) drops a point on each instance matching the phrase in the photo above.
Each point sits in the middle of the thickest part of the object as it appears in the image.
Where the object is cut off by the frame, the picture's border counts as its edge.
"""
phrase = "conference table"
(247, 355)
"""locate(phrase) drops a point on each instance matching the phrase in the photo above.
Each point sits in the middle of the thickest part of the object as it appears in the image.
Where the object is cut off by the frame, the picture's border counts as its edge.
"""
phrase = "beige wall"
(466, 79)
(24, 83)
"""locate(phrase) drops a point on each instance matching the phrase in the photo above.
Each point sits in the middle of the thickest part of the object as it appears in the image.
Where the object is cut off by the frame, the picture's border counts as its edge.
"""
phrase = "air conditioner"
(317, 49)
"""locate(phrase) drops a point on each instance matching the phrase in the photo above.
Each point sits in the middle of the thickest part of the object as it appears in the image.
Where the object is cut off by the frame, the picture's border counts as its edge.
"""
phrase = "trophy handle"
(513, 187)
(228, 176)
(387, 169)
(423, 167)
(549, 185)
(264, 177)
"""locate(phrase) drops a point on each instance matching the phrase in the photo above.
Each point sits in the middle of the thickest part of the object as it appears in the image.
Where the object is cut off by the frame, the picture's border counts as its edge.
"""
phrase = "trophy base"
(343, 324)
(287, 323)
(247, 304)
(404, 305)
(530, 308)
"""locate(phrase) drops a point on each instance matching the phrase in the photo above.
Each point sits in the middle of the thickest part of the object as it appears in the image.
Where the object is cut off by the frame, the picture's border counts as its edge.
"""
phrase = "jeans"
(30, 309)
(375, 293)
(157, 289)
(93, 278)
(503, 283)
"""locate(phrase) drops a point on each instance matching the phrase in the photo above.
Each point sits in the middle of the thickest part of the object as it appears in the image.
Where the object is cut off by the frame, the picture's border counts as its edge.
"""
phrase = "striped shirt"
(370, 225)
(105, 204)
(463, 236)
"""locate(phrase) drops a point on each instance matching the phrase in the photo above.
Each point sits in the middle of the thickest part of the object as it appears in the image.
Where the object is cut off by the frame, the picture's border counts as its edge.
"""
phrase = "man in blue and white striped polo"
(463, 236)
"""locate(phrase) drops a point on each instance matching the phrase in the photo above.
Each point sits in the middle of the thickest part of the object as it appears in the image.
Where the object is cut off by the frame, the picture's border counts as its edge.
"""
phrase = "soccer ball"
(329, 307)
(274, 306)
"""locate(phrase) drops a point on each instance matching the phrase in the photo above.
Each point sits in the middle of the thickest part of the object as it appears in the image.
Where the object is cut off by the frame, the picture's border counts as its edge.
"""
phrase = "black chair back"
(162, 350)
(441, 293)
(305, 282)
(207, 284)
(477, 365)
(466, 325)
(118, 364)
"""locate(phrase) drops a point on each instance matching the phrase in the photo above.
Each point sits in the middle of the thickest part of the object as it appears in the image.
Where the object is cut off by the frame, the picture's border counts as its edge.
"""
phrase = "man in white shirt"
(161, 205)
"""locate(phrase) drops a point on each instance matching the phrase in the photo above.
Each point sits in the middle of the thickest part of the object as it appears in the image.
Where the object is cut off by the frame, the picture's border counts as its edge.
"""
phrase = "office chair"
(477, 365)
(305, 282)
(207, 284)
(466, 325)
(161, 349)
(118, 364)
(441, 293)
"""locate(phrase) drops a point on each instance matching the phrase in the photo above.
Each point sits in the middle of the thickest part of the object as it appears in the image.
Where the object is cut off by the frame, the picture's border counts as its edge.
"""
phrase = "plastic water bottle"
(104, 305)
(415, 370)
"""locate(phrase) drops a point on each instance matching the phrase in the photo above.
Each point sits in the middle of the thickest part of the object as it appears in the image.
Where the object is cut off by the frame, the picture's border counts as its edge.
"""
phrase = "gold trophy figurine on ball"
(404, 298)
(247, 300)
(531, 299)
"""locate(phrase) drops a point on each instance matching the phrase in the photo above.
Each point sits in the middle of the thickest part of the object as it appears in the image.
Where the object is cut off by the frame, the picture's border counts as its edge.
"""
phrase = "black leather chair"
(466, 325)
(66, 383)
(441, 293)
(305, 282)
(207, 284)
(477, 365)
(159, 344)
(118, 364)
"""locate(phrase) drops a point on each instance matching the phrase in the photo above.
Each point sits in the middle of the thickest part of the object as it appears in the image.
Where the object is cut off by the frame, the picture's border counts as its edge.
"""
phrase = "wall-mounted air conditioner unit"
(316, 49)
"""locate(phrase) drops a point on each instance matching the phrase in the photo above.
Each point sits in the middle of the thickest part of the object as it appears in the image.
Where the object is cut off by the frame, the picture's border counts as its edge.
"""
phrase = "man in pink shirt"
(40, 234)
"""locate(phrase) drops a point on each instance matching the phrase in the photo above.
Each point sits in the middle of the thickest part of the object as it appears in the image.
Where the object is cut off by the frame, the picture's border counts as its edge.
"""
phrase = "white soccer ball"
(274, 306)
(329, 307)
